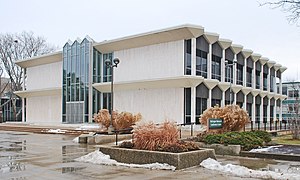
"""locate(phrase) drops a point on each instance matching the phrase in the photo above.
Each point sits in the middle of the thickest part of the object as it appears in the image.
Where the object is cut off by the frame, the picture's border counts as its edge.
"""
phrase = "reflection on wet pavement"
(47, 156)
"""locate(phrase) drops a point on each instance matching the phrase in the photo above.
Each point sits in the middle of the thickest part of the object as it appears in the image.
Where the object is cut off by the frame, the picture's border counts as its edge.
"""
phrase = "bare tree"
(292, 7)
(15, 47)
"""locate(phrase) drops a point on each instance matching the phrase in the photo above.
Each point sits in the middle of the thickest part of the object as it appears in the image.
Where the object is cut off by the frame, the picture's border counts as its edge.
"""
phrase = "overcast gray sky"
(266, 31)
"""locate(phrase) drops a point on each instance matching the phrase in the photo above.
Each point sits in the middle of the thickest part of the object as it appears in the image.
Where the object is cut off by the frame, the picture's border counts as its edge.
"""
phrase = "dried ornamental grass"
(120, 120)
(152, 137)
(234, 117)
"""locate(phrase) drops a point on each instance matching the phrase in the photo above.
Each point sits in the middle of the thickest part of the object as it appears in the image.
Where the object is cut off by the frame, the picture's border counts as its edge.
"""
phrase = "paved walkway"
(26, 155)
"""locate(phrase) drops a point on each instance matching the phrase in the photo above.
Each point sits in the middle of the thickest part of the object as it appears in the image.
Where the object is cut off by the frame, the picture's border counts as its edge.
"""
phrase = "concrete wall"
(155, 61)
(44, 110)
(44, 76)
(154, 104)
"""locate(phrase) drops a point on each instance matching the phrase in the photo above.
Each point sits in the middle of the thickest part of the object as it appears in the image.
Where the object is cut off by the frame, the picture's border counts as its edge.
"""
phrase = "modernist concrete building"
(290, 106)
(173, 73)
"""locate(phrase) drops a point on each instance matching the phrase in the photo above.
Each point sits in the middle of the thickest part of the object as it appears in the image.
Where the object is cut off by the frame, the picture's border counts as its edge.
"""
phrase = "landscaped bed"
(179, 160)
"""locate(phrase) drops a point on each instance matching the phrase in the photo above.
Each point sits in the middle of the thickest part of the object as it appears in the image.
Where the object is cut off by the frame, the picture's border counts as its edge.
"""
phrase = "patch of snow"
(267, 149)
(58, 131)
(76, 140)
(89, 126)
(97, 157)
(242, 171)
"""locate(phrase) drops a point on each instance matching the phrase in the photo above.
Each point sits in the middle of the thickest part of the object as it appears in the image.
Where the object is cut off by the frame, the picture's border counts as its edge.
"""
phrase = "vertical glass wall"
(97, 71)
(76, 58)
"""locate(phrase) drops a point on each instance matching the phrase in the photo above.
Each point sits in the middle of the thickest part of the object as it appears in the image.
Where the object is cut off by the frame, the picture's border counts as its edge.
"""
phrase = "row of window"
(201, 106)
(201, 69)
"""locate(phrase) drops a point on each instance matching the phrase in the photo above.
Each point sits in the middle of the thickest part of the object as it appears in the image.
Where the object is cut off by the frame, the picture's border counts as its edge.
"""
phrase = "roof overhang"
(236, 48)
(171, 82)
(39, 92)
(225, 43)
(186, 31)
(211, 37)
(40, 60)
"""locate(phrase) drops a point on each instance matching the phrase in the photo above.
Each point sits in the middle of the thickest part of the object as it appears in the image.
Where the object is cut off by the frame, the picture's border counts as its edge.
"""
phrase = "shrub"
(265, 136)
(234, 117)
(126, 144)
(248, 140)
(153, 137)
(120, 120)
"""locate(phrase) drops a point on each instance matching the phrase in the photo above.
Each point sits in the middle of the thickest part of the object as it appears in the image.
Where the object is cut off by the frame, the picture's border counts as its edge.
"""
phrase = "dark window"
(216, 67)
(265, 107)
(188, 57)
(257, 79)
(229, 71)
(201, 63)
(284, 90)
(201, 106)
(272, 83)
(106, 71)
(293, 93)
(265, 83)
(239, 74)
(187, 105)
(249, 109)
(215, 102)
(257, 112)
(249, 77)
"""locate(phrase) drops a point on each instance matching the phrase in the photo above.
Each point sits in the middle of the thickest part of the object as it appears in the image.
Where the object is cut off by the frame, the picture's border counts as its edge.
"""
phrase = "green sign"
(215, 123)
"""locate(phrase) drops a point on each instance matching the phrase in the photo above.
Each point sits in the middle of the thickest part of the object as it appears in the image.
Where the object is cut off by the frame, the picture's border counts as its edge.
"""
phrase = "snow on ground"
(267, 149)
(97, 157)
(242, 171)
(58, 131)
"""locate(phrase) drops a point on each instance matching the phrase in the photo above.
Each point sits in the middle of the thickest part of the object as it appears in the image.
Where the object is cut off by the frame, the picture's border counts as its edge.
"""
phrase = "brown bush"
(120, 120)
(126, 144)
(234, 117)
(153, 137)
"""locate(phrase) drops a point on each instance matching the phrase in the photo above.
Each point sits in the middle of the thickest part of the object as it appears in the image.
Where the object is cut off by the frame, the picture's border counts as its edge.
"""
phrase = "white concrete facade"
(151, 78)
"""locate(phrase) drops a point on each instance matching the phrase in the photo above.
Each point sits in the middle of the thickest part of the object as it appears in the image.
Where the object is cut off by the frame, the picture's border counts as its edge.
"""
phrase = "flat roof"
(185, 31)
(40, 60)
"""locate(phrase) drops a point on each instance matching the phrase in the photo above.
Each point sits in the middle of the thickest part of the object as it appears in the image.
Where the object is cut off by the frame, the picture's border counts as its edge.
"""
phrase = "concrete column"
(193, 104)
(269, 80)
(223, 70)
(262, 78)
(280, 111)
(234, 69)
(209, 99)
(254, 76)
(234, 98)
(245, 73)
(23, 99)
(23, 110)
(245, 102)
(275, 109)
(193, 58)
(261, 109)
(280, 86)
(209, 59)
(223, 99)
(253, 109)
(268, 111)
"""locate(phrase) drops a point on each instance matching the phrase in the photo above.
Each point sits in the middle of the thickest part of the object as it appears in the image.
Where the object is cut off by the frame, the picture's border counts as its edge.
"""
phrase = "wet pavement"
(46, 156)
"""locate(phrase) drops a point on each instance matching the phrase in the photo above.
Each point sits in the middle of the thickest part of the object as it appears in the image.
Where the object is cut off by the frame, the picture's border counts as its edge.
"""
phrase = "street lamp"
(111, 64)
(226, 66)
